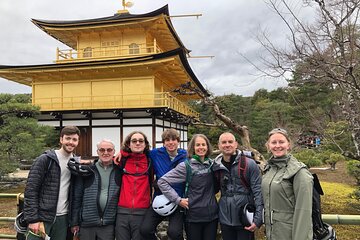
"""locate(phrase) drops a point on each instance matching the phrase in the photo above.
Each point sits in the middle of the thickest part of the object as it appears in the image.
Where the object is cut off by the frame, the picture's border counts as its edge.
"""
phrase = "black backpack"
(321, 230)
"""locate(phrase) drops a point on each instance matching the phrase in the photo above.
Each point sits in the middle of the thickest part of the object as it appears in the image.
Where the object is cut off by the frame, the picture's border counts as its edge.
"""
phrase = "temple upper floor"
(122, 35)
(110, 46)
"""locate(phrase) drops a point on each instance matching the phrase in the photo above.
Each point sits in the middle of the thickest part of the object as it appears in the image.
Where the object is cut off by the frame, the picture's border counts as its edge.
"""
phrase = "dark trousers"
(235, 233)
(152, 220)
(56, 230)
(201, 230)
(97, 233)
(128, 226)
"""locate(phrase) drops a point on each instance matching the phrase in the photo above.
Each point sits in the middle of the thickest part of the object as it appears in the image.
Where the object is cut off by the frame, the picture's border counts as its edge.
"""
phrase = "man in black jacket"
(240, 184)
(95, 197)
(47, 189)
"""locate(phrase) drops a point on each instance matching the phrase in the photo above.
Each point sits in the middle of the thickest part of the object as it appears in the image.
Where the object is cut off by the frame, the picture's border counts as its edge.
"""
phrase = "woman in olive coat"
(287, 188)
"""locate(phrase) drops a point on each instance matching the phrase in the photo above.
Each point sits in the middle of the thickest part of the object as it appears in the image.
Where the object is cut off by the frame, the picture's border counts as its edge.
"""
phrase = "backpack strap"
(122, 164)
(317, 185)
(188, 177)
(147, 172)
(242, 167)
(150, 174)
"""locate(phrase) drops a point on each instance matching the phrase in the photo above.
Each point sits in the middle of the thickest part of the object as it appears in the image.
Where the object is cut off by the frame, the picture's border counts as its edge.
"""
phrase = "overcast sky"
(226, 28)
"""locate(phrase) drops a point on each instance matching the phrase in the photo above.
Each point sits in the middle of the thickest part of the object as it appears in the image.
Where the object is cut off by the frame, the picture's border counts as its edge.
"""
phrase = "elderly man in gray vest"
(95, 196)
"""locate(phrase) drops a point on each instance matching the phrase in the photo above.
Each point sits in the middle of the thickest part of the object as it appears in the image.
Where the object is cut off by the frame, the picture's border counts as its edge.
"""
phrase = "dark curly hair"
(126, 144)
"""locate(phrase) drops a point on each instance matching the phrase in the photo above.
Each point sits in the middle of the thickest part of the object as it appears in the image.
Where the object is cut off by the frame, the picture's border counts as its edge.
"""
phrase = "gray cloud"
(225, 29)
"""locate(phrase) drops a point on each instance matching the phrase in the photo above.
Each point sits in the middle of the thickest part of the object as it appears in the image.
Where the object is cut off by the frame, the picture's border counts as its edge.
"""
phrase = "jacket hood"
(51, 154)
(180, 153)
(293, 165)
(131, 154)
(218, 164)
(220, 156)
(208, 162)
(179, 150)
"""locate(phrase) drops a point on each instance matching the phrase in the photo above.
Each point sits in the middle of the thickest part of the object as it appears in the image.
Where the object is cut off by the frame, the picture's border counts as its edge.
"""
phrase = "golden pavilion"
(118, 75)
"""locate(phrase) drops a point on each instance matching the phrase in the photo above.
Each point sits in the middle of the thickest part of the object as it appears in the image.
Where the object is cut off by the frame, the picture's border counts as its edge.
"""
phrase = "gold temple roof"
(157, 21)
(173, 64)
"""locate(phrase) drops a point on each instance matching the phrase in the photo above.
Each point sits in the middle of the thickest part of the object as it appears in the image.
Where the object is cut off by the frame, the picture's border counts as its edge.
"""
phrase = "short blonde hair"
(280, 131)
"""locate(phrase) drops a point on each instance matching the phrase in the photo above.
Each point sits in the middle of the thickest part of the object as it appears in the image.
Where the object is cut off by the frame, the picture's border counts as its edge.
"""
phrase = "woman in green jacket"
(287, 188)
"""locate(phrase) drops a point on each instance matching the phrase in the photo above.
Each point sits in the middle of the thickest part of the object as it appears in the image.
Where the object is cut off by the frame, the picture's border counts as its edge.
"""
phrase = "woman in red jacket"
(135, 193)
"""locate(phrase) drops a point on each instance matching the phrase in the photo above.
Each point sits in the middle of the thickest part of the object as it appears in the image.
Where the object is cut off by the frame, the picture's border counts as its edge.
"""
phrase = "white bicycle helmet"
(163, 206)
(20, 224)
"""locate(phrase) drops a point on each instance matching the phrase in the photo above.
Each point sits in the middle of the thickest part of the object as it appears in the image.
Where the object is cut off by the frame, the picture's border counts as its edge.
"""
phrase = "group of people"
(111, 198)
(309, 141)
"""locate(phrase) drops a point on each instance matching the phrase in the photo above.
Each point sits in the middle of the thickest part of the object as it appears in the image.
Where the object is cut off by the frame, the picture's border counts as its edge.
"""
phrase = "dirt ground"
(338, 176)
(8, 208)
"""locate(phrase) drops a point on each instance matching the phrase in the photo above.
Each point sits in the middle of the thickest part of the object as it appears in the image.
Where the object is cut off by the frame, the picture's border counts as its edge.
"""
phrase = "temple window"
(134, 48)
(87, 52)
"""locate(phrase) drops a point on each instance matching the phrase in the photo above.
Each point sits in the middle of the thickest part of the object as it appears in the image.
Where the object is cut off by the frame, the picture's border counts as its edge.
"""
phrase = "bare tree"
(326, 50)
(241, 130)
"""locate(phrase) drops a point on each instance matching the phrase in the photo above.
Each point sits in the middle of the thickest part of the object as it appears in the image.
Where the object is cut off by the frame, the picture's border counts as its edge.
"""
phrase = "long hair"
(191, 145)
(126, 144)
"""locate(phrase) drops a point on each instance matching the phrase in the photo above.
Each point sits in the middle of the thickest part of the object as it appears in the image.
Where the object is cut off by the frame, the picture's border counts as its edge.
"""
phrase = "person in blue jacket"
(163, 160)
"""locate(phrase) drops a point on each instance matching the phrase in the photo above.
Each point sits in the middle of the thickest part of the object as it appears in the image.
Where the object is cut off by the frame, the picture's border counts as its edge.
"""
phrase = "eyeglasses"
(102, 150)
(278, 130)
(137, 140)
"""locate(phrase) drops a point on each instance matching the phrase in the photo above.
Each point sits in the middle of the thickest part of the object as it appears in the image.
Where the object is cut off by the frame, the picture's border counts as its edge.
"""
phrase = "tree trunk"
(351, 110)
(241, 130)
